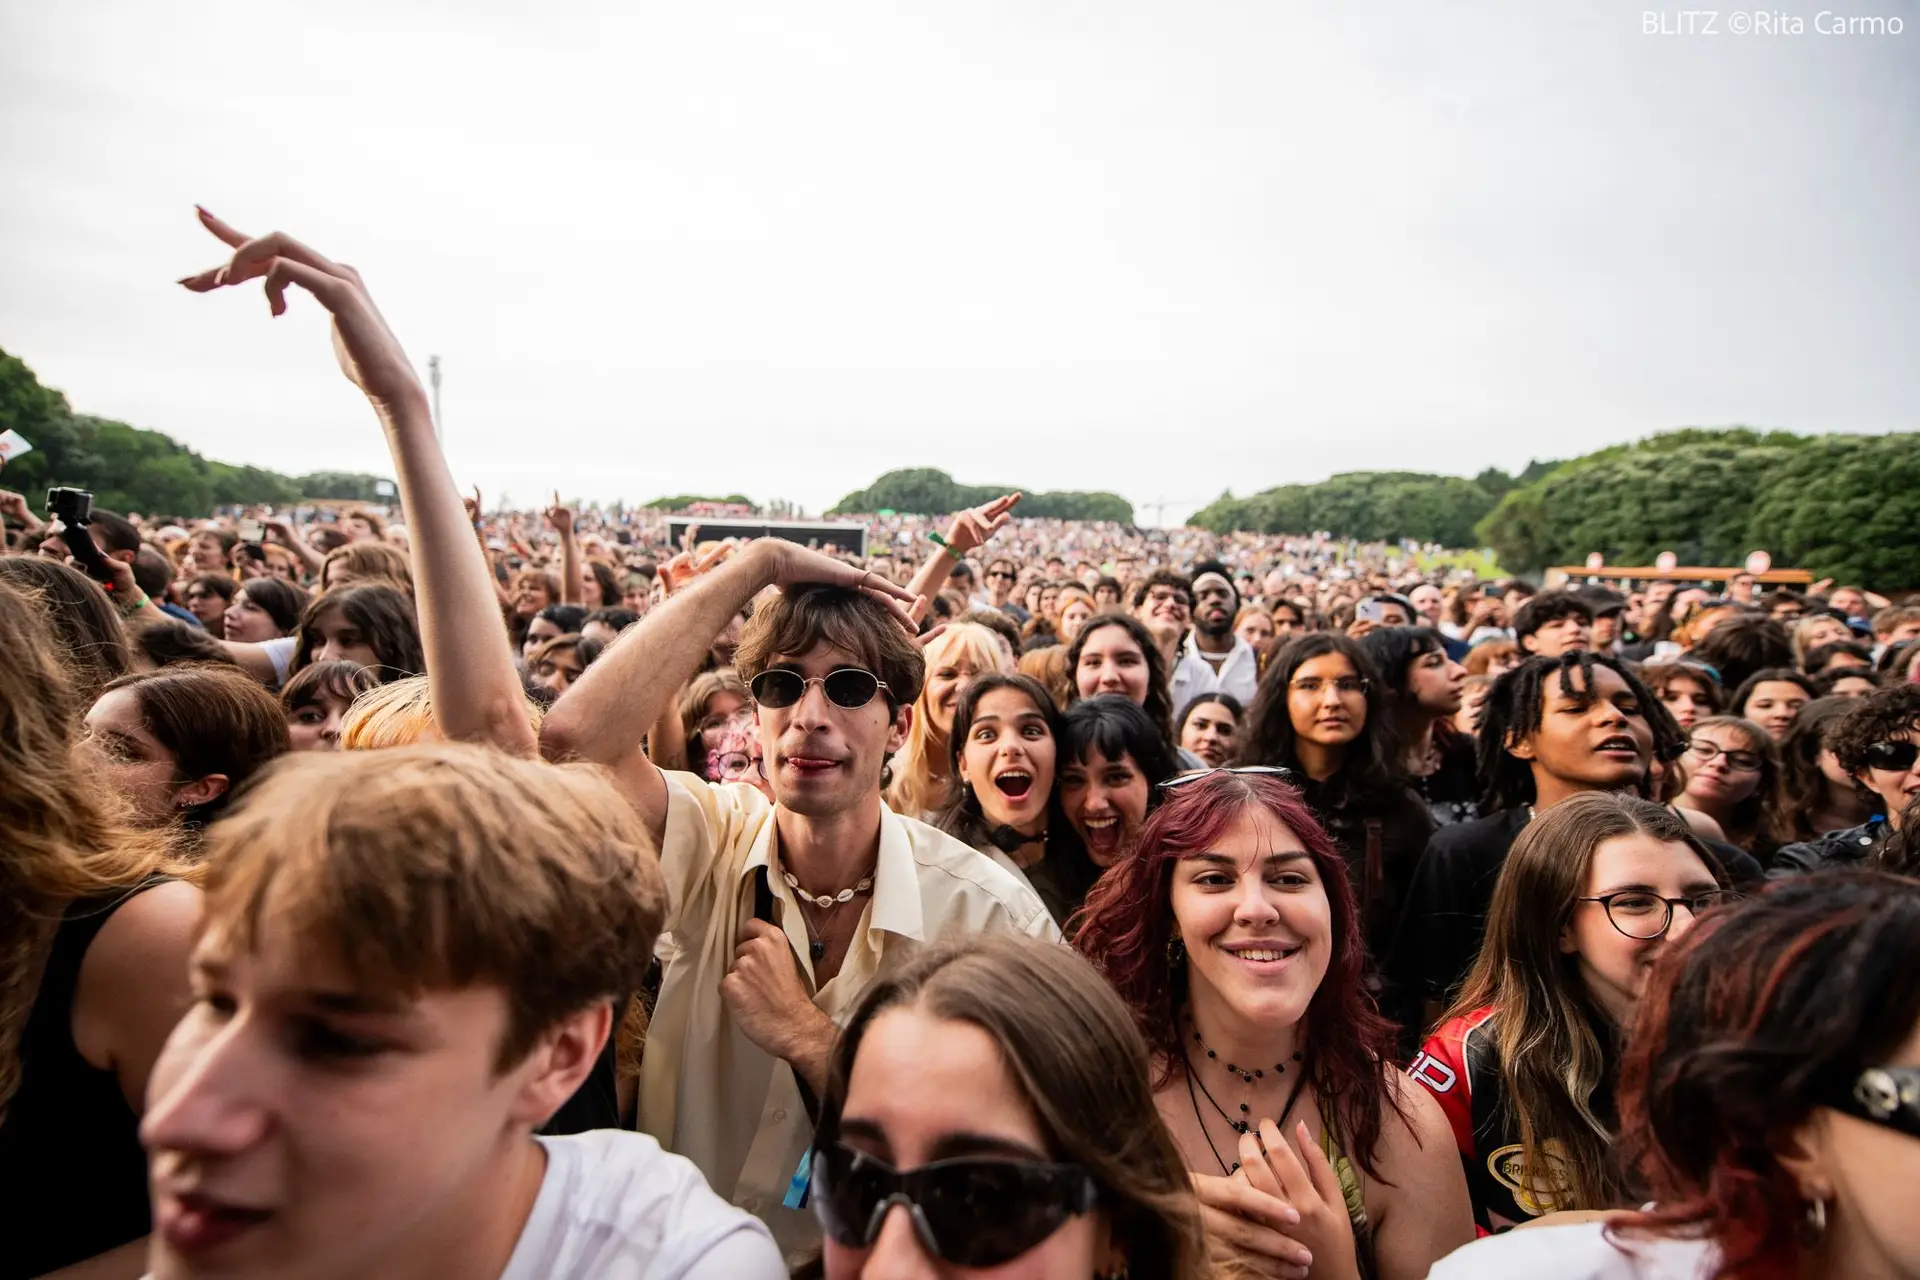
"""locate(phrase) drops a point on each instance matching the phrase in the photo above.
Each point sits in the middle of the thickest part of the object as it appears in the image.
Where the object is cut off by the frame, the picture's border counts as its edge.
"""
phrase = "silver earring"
(1817, 1217)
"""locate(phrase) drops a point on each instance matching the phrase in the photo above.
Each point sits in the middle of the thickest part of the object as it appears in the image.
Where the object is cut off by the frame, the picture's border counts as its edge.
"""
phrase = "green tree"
(928, 491)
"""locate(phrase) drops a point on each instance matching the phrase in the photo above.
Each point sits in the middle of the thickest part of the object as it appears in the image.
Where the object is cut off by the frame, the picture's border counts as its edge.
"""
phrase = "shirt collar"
(896, 875)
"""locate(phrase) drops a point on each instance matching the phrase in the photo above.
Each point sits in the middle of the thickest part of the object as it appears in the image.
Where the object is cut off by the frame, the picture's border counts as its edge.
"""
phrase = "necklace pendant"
(818, 950)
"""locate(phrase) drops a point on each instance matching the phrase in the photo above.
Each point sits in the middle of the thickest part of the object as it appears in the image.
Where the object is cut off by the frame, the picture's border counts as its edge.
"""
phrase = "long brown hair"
(1072, 1049)
(66, 836)
(213, 719)
(1760, 823)
(85, 631)
(1555, 1043)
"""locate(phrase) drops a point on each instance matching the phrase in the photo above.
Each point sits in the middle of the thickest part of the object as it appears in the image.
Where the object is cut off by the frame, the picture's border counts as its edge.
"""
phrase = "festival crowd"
(423, 890)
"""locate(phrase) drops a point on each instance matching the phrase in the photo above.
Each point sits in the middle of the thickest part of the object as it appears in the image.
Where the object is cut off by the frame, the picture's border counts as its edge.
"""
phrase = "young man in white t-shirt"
(409, 959)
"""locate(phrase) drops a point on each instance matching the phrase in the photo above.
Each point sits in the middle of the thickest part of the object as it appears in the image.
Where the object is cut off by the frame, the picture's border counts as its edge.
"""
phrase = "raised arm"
(572, 589)
(969, 531)
(602, 717)
(280, 534)
(476, 694)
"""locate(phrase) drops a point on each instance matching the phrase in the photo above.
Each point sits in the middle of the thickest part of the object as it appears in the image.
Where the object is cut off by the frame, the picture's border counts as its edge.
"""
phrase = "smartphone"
(1374, 611)
(252, 531)
(12, 445)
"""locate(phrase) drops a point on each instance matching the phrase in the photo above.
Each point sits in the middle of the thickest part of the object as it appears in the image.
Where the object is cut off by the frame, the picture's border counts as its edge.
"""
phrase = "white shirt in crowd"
(1578, 1251)
(614, 1206)
(1239, 675)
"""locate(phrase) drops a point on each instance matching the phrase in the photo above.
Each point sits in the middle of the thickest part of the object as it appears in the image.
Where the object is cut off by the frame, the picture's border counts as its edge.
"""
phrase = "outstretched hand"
(971, 529)
(369, 354)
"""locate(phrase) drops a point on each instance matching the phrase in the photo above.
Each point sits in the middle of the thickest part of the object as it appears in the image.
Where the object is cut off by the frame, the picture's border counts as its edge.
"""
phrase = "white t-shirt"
(279, 652)
(614, 1206)
(1577, 1251)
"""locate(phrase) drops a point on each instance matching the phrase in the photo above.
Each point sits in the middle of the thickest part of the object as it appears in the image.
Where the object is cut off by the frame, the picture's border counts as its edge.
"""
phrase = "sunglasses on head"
(1895, 756)
(1271, 770)
(970, 1212)
(849, 687)
(1888, 1096)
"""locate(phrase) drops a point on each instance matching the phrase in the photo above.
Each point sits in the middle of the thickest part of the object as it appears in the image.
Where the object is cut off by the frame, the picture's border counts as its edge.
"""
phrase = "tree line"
(1842, 506)
(930, 492)
(132, 469)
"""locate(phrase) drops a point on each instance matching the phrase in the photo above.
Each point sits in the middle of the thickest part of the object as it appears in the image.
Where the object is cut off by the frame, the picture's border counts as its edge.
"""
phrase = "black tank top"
(70, 1146)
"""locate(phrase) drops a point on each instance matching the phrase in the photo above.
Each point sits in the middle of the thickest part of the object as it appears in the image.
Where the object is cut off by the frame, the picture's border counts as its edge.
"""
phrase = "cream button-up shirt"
(706, 1091)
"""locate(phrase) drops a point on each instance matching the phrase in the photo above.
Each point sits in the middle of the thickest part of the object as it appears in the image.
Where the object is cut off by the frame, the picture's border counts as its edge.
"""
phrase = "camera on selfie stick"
(73, 508)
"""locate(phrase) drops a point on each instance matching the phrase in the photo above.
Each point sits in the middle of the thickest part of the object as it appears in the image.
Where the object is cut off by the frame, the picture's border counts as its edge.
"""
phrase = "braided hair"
(1517, 705)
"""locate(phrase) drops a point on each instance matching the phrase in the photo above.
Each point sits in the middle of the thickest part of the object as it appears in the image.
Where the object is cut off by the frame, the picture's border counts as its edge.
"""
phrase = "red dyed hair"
(1128, 920)
(1748, 1023)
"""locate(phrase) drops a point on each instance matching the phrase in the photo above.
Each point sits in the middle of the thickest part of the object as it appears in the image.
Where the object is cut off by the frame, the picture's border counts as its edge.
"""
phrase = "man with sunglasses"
(1875, 742)
(779, 913)
(1001, 580)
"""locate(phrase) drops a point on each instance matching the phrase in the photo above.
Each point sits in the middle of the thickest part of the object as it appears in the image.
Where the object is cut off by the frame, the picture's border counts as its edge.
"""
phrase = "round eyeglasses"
(1645, 916)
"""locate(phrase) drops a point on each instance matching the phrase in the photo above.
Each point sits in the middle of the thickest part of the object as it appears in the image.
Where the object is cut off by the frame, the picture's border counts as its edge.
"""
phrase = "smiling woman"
(1526, 1060)
(1235, 938)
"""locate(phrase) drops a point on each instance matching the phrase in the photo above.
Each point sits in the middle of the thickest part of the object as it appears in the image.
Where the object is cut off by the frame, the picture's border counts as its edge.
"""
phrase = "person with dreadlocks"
(1551, 728)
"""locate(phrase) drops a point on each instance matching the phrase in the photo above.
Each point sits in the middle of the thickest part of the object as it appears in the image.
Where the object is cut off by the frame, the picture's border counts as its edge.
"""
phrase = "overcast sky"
(1160, 248)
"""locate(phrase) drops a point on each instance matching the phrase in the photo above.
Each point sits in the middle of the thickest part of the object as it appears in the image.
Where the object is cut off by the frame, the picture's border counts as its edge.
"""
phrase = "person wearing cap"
(1607, 607)
(1212, 658)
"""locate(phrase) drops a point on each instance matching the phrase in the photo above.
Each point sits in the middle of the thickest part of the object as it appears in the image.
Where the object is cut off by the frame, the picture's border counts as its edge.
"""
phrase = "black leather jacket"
(1835, 849)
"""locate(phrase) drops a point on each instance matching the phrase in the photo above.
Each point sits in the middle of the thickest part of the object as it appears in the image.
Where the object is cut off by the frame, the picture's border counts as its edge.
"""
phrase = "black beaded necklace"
(1246, 1076)
(1245, 1123)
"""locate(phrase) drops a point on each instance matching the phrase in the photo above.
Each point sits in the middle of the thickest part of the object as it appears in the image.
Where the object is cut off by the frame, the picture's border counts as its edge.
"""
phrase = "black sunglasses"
(971, 1212)
(1888, 1096)
(1271, 770)
(1897, 757)
(849, 687)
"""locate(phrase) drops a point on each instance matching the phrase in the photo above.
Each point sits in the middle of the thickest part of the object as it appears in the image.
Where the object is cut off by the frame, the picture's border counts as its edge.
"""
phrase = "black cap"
(1600, 600)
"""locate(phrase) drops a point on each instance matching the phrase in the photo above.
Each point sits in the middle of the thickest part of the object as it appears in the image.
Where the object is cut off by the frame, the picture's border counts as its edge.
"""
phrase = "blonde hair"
(444, 866)
(66, 837)
(1049, 667)
(921, 782)
(399, 714)
(370, 563)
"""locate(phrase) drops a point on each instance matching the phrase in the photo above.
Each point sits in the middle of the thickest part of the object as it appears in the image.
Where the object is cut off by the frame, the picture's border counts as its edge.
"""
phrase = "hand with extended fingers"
(786, 564)
(685, 567)
(369, 354)
(971, 529)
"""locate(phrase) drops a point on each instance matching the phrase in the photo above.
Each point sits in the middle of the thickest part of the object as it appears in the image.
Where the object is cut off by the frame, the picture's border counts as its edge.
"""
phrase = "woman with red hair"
(1770, 1101)
(1234, 937)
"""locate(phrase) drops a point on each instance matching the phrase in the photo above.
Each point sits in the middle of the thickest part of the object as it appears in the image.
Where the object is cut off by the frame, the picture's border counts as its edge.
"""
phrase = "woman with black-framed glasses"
(1769, 1100)
(1733, 775)
(1321, 711)
(987, 1106)
(1524, 1062)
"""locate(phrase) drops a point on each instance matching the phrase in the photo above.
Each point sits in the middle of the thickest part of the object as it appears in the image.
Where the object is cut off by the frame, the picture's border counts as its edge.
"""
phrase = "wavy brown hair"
(1128, 920)
(1556, 1046)
(66, 837)
(85, 630)
(1073, 1051)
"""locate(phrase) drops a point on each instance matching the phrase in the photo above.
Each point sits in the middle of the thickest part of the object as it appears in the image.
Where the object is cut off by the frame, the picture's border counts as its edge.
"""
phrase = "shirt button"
(779, 1117)
(751, 1204)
